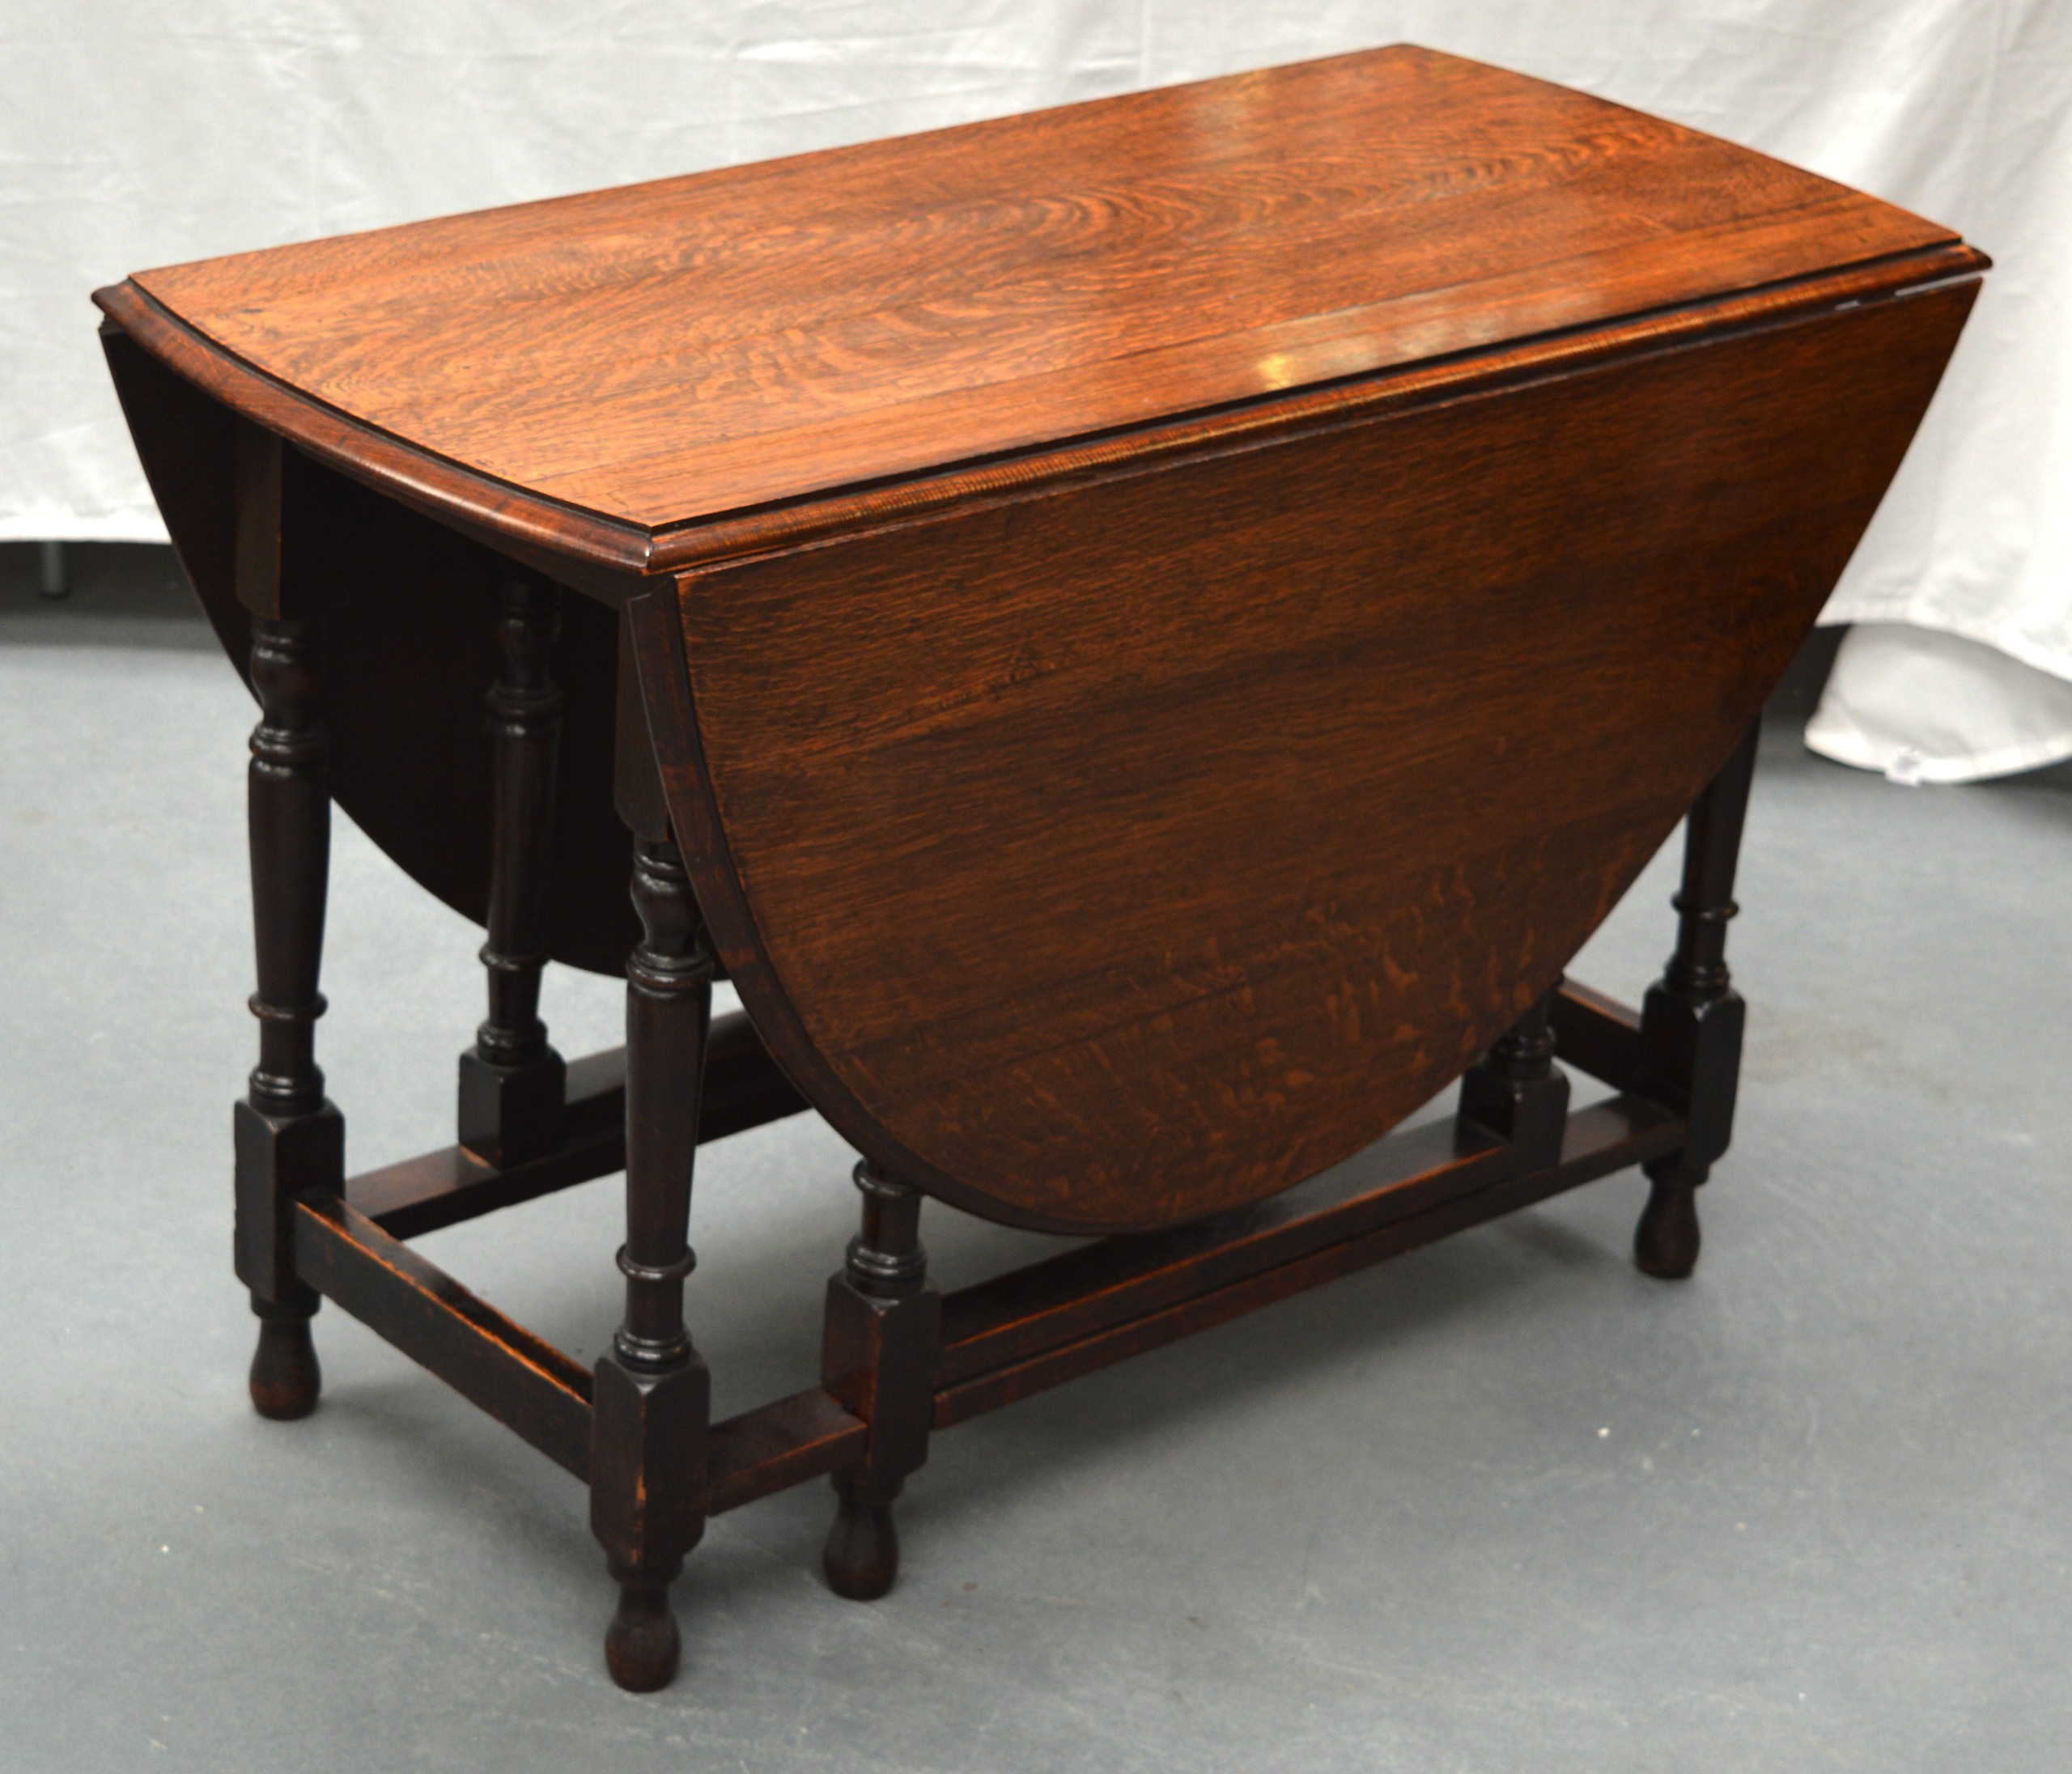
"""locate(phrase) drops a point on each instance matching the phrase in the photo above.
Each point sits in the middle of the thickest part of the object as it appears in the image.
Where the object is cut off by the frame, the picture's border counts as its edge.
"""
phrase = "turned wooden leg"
(512, 1083)
(879, 1359)
(288, 1138)
(1691, 1022)
(652, 1400)
(1666, 1241)
(1517, 1092)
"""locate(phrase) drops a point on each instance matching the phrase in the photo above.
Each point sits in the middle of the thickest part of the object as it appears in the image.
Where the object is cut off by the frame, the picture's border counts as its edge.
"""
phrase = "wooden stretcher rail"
(1351, 1235)
(743, 1090)
(1003, 1340)
(999, 1321)
(777, 1445)
(526, 1385)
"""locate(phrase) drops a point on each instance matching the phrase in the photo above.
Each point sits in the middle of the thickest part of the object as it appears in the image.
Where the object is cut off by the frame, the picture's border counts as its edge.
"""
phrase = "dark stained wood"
(1597, 1034)
(1516, 1091)
(1148, 635)
(443, 1188)
(284, 1376)
(187, 446)
(1075, 1309)
(1691, 1021)
(1213, 829)
(664, 352)
(636, 779)
(743, 1090)
(1605, 1137)
(512, 1082)
(1439, 167)
(598, 556)
(669, 1012)
(289, 819)
(878, 1360)
(1077, 1293)
(528, 1386)
(408, 659)
(777, 1446)
(287, 1137)
(652, 1393)
(604, 557)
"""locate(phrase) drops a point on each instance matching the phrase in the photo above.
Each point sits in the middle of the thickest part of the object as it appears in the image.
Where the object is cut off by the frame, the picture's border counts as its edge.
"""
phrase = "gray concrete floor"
(1502, 1504)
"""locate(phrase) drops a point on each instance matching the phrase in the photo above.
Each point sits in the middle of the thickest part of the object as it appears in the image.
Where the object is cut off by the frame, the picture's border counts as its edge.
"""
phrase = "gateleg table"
(1142, 638)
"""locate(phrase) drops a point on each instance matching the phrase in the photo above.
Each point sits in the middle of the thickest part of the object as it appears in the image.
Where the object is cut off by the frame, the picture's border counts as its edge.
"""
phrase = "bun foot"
(284, 1376)
(642, 1645)
(1666, 1241)
(862, 1555)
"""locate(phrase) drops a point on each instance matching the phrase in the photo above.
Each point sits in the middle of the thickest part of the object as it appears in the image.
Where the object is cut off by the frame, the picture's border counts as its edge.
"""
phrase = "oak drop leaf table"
(1142, 637)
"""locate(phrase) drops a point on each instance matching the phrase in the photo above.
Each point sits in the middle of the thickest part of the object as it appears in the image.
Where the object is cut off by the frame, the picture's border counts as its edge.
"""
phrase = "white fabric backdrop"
(135, 134)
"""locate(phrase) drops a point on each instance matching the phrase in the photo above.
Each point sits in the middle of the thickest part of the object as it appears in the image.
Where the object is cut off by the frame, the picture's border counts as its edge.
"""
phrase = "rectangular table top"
(663, 354)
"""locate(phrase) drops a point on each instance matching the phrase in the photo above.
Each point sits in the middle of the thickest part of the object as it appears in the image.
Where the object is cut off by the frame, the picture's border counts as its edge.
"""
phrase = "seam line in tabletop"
(454, 490)
(381, 352)
(815, 519)
(1369, 333)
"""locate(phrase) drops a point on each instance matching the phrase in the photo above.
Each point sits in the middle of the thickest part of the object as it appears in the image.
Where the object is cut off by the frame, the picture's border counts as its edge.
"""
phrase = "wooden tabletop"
(664, 355)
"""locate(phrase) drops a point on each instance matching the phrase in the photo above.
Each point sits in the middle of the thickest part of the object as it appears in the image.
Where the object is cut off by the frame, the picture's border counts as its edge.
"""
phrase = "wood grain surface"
(1165, 622)
(1110, 858)
(663, 353)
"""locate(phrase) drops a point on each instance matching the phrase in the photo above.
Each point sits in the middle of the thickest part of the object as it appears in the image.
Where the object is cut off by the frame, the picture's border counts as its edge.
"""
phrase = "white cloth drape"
(1925, 706)
(135, 135)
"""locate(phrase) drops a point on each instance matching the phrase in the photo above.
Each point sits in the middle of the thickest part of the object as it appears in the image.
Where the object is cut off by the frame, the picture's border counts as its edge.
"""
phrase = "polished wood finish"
(992, 1343)
(1360, 839)
(409, 657)
(777, 1446)
(1144, 637)
(664, 353)
(1599, 1034)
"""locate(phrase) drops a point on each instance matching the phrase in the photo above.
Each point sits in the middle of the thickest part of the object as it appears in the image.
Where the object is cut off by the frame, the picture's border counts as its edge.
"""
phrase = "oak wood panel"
(410, 647)
(1110, 859)
(594, 554)
(666, 352)
(411, 650)
(605, 558)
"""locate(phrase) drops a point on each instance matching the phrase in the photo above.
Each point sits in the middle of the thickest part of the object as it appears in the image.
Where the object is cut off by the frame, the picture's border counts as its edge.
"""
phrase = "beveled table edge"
(617, 555)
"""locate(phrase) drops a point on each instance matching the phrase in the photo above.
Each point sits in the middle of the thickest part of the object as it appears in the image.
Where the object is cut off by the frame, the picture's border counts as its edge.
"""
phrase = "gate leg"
(1691, 1021)
(512, 1083)
(652, 1400)
(288, 1138)
(879, 1359)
